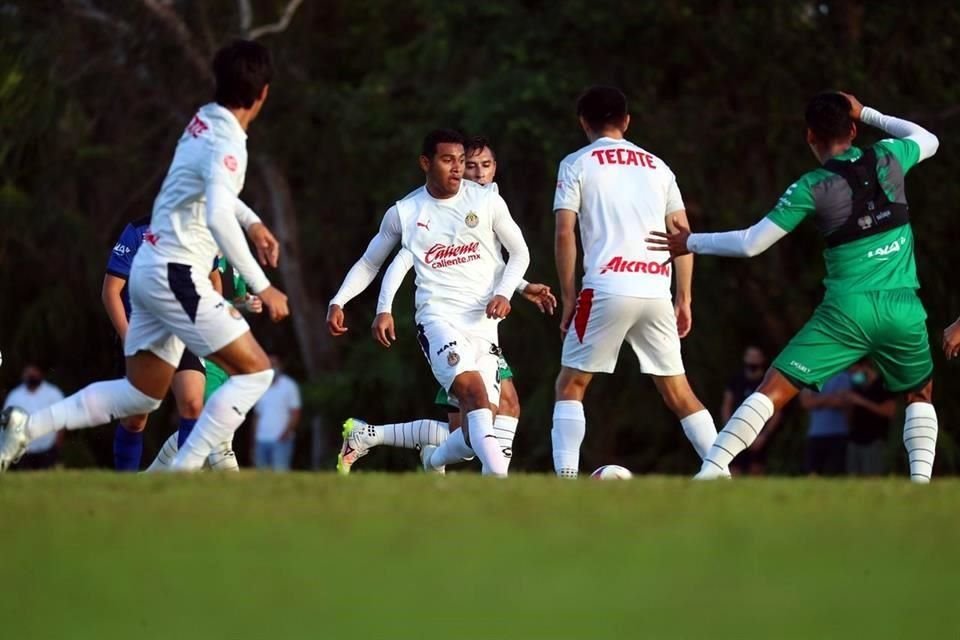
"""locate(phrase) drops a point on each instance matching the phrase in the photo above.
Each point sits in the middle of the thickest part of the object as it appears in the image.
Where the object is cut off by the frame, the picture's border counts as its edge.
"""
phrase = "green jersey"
(239, 286)
(879, 262)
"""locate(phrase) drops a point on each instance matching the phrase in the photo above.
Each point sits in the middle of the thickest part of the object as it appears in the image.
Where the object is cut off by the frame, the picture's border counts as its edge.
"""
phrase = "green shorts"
(215, 379)
(888, 326)
(443, 399)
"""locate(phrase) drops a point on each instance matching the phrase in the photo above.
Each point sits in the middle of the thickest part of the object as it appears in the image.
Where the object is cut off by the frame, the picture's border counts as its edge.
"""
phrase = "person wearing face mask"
(34, 394)
(752, 461)
(826, 453)
(871, 408)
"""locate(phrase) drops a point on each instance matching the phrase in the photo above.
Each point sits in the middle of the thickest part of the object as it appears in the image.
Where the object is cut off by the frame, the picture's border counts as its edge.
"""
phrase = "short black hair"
(601, 107)
(437, 137)
(241, 70)
(828, 117)
(476, 144)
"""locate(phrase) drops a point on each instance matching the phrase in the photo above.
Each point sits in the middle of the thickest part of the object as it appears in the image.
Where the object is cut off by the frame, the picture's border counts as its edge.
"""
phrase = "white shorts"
(603, 322)
(452, 351)
(173, 305)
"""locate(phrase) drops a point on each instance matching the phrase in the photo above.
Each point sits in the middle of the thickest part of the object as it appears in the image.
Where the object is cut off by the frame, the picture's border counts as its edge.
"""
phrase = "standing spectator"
(871, 416)
(753, 460)
(34, 394)
(275, 420)
(827, 435)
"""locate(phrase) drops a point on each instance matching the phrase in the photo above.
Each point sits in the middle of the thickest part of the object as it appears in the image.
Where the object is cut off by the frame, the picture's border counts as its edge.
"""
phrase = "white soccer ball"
(612, 472)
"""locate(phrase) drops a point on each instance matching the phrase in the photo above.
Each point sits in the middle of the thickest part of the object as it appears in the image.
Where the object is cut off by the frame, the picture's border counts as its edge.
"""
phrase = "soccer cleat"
(712, 472)
(425, 453)
(356, 444)
(223, 459)
(13, 436)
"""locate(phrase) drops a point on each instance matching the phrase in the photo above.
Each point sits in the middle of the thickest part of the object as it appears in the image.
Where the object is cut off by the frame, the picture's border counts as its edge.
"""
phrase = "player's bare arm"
(113, 303)
(951, 340)
(565, 254)
(676, 220)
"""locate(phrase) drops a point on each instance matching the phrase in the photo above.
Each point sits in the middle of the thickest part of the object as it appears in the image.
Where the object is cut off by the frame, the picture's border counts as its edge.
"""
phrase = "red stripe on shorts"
(582, 316)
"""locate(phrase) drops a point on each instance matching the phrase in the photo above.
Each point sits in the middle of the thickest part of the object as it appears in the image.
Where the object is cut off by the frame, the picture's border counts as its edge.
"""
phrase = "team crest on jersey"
(453, 358)
(230, 162)
(472, 219)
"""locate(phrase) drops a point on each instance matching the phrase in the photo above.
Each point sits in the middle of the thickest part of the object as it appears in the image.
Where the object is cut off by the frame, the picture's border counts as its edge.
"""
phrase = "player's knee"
(134, 424)
(190, 406)
(471, 392)
(570, 385)
(923, 394)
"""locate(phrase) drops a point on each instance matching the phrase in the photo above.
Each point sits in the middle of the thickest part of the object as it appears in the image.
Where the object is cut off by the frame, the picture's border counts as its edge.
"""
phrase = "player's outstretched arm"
(363, 272)
(743, 243)
(896, 127)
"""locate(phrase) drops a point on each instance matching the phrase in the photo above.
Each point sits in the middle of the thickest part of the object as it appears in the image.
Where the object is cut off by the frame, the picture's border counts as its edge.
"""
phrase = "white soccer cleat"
(357, 441)
(425, 454)
(223, 459)
(713, 472)
(13, 436)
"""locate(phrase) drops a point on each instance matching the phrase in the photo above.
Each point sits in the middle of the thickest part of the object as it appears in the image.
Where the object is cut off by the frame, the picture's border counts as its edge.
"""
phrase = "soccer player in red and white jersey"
(618, 192)
(196, 215)
(454, 229)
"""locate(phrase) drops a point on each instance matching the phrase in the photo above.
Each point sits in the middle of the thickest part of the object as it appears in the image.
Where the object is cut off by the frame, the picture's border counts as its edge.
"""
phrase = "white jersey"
(620, 194)
(211, 153)
(456, 253)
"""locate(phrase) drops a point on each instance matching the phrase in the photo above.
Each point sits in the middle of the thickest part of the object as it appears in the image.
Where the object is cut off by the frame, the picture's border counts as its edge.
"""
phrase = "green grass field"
(99, 555)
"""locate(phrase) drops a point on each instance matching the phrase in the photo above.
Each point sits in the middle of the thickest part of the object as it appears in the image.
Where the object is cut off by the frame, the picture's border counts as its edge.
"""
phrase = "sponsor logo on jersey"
(882, 253)
(121, 249)
(799, 366)
(441, 255)
(622, 265)
(472, 219)
(449, 345)
(453, 358)
(624, 156)
(425, 225)
(197, 127)
(230, 162)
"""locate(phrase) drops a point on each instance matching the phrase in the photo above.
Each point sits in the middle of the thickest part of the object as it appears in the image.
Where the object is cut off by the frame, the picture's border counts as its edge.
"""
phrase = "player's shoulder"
(414, 195)
(574, 159)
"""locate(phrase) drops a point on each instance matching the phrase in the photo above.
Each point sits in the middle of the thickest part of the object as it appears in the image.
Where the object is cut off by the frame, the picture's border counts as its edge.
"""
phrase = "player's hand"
(498, 308)
(540, 295)
(855, 107)
(383, 330)
(252, 304)
(675, 243)
(335, 320)
(951, 340)
(569, 308)
(276, 303)
(268, 249)
(684, 318)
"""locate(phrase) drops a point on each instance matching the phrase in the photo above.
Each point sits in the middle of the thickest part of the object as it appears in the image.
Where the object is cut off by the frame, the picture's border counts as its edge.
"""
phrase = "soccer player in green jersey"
(858, 202)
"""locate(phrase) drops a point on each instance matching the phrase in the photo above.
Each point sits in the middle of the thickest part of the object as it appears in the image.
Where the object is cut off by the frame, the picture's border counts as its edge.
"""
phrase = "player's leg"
(696, 421)
(508, 411)
(452, 450)
(359, 437)
(569, 420)
(828, 343)
(189, 385)
(471, 391)
(128, 443)
(903, 357)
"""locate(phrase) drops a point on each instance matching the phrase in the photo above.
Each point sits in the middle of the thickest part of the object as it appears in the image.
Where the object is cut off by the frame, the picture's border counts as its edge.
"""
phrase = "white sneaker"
(13, 436)
(710, 471)
(357, 441)
(426, 452)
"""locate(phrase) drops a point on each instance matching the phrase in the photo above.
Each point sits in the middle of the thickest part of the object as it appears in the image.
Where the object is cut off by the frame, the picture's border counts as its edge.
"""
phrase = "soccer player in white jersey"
(618, 192)
(360, 437)
(454, 229)
(173, 300)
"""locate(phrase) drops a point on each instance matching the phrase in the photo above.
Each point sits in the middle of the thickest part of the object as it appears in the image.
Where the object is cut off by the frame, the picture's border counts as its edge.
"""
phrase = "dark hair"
(602, 106)
(241, 70)
(439, 136)
(828, 117)
(476, 144)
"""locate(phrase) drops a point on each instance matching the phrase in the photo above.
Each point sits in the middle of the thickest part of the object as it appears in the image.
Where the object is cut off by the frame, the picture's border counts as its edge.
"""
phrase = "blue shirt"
(830, 422)
(121, 258)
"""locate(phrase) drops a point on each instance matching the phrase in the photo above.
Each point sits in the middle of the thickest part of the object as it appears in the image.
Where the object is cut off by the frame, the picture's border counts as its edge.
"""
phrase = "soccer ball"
(612, 472)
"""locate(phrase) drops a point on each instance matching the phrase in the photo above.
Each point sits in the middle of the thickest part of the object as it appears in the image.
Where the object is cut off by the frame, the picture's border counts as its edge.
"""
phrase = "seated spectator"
(826, 453)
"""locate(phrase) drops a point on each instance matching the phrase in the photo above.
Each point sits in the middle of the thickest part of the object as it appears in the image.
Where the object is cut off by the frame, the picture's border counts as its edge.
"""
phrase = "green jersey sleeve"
(794, 205)
(905, 150)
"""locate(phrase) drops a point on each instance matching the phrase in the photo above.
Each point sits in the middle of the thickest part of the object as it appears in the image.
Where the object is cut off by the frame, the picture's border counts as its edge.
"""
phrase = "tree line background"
(94, 94)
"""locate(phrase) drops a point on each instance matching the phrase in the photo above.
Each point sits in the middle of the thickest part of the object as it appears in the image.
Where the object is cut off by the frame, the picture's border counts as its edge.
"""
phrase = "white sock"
(167, 453)
(222, 415)
(742, 429)
(223, 458)
(920, 439)
(505, 428)
(95, 404)
(410, 435)
(700, 431)
(569, 428)
(451, 451)
(484, 442)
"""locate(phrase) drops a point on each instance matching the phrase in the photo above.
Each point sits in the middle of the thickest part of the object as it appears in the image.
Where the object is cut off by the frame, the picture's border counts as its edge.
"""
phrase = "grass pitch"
(96, 555)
